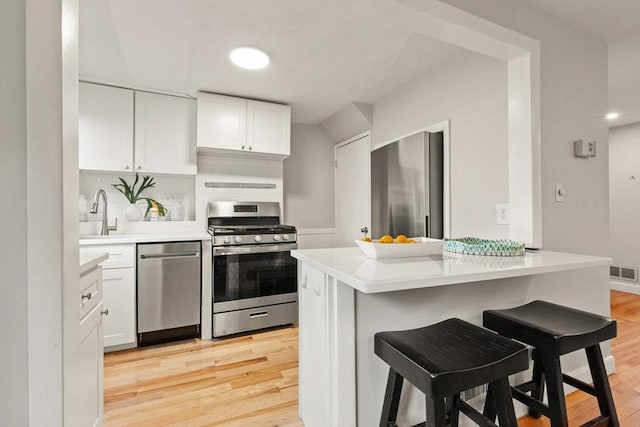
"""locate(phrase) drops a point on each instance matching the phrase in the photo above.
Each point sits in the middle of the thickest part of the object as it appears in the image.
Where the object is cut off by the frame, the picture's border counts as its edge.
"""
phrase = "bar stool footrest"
(527, 387)
(475, 416)
(601, 421)
(529, 401)
(579, 384)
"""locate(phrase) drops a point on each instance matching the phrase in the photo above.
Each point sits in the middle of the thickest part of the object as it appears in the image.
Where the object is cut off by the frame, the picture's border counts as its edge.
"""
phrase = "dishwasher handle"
(171, 256)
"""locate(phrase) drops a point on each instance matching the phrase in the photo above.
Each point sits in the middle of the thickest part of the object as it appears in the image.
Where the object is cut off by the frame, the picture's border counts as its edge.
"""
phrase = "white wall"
(624, 79)
(573, 106)
(40, 240)
(624, 196)
(471, 90)
(309, 197)
(14, 389)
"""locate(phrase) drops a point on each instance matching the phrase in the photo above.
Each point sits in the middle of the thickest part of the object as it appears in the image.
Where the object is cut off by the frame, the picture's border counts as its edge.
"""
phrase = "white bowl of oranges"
(399, 247)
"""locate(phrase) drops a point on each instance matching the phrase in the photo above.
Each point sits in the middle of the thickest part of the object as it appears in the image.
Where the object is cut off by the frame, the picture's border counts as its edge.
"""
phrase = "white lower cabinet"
(119, 290)
(314, 360)
(91, 369)
(90, 407)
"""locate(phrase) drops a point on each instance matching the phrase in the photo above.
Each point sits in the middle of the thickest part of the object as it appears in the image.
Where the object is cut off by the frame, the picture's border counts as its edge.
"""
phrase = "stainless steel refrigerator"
(407, 187)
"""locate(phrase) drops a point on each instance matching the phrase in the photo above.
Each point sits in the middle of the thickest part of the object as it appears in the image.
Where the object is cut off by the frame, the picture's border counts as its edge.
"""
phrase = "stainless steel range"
(254, 275)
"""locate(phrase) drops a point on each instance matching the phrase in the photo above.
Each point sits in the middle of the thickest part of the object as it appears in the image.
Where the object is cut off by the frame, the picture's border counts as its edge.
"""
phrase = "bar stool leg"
(555, 391)
(601, 384)
(538, 379)
(503, 403)
(391, 399)
(454, 412)
(489, 410)
(436, 413)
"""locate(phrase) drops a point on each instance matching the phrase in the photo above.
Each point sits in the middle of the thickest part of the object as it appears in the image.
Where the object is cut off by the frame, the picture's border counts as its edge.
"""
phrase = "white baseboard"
(625, 287)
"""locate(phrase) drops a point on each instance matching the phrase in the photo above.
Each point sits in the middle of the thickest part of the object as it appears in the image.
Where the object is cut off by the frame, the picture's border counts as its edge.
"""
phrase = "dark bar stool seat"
(445, 359)
(554, 330)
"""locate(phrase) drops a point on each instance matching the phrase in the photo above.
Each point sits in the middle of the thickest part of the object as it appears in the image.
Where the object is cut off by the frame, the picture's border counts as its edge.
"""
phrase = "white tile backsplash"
(166, 187)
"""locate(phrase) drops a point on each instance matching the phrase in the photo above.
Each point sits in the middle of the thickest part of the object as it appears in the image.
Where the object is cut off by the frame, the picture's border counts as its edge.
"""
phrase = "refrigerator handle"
(426, 226)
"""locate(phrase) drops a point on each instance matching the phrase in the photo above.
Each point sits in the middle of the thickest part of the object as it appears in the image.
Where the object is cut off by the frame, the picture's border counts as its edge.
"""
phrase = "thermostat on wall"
(582, 148)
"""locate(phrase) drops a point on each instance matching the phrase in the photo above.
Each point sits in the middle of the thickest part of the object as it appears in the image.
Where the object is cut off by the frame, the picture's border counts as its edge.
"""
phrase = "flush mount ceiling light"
(249, 58)
(612, 116)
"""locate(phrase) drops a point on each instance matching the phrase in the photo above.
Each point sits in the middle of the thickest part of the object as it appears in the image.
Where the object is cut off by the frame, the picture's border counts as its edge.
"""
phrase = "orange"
(386, 239)
(366, 239)
(401, 238)
(411, 241)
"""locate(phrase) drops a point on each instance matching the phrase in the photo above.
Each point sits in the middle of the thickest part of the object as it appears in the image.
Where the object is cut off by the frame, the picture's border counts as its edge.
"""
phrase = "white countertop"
(143, 238)
(89, 261)
(352, 267)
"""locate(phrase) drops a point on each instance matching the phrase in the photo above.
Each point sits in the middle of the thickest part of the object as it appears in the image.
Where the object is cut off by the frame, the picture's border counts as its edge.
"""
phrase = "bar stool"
(554, 330)
(445, 359)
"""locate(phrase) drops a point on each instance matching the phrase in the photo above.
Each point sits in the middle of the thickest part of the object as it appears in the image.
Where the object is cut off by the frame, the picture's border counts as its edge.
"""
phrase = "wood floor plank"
(252, 380)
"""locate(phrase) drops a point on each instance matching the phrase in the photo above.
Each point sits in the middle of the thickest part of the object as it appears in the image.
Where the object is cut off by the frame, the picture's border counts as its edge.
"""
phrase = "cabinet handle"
(86, 297)
(139, 167)
(243, 147)
(127, 167)
(250, 148)
(105, 312)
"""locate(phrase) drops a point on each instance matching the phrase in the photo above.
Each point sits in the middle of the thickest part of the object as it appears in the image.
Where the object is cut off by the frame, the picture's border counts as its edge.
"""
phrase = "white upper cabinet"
(222, 122)
(158, 137)
(238, 126)
(105, 128)
(268, 127)
(165, 134)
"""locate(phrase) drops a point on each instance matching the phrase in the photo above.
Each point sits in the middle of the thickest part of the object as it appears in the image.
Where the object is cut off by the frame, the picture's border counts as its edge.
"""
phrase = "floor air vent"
(625, 273)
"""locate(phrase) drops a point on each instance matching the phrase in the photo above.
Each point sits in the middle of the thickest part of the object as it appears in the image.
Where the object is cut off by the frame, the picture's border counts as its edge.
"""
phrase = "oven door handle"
(253, 249)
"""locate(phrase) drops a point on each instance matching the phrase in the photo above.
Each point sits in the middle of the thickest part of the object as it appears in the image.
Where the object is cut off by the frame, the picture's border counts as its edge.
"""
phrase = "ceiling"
(324, 54)
(617, 22)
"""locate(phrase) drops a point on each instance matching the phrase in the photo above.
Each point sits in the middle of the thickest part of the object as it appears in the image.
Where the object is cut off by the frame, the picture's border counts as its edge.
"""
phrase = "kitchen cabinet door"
(119, 290)
(91, 369)
(165, 134)
(222, 122)
(105, 128)
(314, 359)
(268, 128)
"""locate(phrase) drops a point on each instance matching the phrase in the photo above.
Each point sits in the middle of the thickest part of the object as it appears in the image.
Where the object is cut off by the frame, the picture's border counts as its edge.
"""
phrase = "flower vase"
(133, 213)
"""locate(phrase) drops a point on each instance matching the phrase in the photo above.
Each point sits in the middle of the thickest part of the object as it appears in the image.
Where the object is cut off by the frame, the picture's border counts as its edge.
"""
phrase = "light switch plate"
(502, 213)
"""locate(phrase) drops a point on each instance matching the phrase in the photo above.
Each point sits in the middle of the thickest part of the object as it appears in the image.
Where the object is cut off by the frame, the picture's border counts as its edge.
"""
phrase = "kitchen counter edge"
(143, 238)
(89, 261)
(557, 261)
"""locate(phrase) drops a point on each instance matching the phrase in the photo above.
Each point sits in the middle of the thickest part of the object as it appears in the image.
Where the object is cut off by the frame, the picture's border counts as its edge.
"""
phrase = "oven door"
(253, 276)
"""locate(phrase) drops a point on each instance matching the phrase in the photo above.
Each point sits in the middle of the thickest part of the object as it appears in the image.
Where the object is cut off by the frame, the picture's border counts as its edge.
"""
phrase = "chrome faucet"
(94, 209)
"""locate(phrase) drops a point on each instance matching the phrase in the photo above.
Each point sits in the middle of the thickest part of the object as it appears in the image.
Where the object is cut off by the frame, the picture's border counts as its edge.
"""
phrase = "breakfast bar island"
(346, 297)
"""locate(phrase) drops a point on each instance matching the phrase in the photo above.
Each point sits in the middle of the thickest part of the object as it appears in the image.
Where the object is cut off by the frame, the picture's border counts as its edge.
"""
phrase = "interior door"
(353, 190)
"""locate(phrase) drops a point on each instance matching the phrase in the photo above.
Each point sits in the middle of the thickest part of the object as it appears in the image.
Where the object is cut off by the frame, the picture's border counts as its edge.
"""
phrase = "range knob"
(238, 239)
(276, 238)
(227, 239)
(285, 237)
(258, 238)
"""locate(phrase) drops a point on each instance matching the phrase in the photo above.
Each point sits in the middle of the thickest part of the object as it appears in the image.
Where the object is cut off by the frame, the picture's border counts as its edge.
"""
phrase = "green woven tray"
(475, 246)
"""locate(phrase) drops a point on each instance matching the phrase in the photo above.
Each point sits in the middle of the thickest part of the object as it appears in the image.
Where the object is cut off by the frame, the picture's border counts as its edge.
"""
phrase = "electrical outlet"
(502, 213)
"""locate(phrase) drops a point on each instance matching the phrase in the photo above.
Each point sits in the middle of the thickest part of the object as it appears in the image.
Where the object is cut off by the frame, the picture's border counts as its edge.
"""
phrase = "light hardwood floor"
(253, 380)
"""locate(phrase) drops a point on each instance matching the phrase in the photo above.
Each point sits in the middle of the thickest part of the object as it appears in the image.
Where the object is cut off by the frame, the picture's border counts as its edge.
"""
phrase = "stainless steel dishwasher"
(169, 289)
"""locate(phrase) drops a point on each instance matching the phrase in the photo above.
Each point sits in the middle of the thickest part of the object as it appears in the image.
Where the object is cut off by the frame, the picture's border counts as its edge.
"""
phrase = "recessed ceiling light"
(612, 116)
(249, 58)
